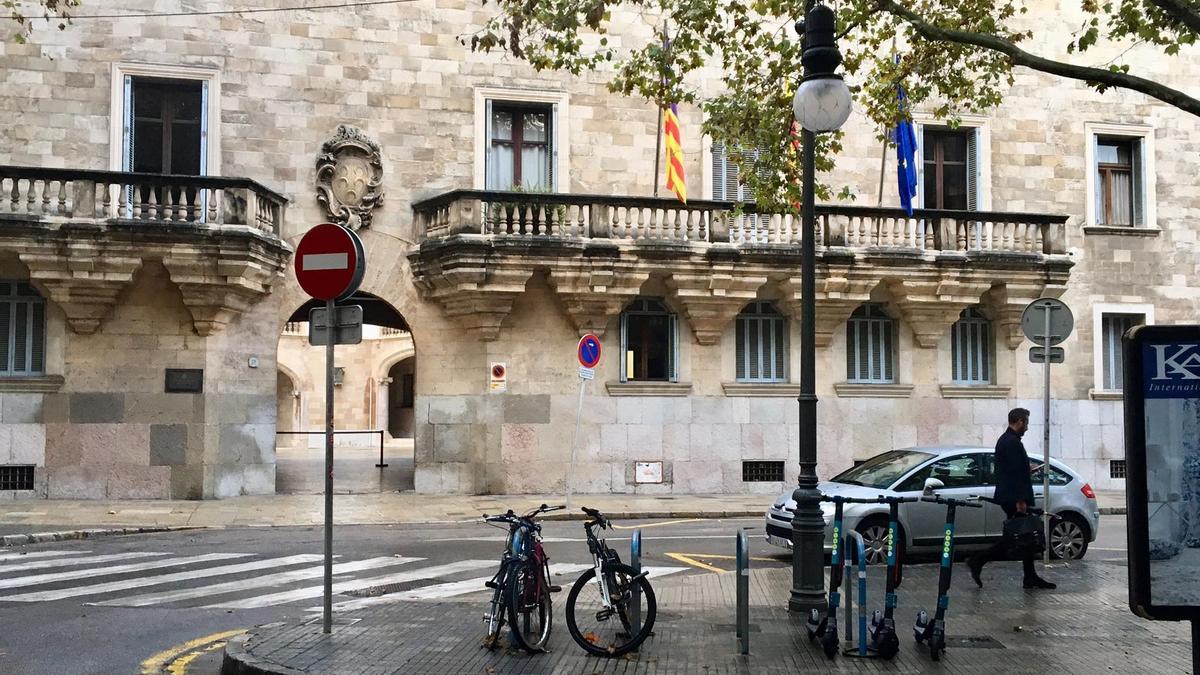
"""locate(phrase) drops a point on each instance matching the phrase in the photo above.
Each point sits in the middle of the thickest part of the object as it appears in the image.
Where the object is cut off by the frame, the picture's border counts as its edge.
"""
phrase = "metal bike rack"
(743, 592)
(635, 561)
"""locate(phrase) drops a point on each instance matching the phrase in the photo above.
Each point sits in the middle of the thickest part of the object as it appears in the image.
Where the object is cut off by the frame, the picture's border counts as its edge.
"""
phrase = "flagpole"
(659, 134)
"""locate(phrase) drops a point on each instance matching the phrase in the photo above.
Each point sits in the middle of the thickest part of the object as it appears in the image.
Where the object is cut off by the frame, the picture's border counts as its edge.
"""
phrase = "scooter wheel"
(935, 653)
(889, 646)
(829, 641)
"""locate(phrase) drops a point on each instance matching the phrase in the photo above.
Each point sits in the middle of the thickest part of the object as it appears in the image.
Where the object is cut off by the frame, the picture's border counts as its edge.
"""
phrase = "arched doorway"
(401, 398)
(362, 405)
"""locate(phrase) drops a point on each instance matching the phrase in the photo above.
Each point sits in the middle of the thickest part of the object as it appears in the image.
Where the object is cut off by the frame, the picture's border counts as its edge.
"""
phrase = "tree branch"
(1021, 57)
(1182, 13)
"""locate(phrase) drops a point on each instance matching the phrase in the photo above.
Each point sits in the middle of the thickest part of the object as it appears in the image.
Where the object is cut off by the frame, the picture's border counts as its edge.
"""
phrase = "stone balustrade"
(638, 219)
(82, 195)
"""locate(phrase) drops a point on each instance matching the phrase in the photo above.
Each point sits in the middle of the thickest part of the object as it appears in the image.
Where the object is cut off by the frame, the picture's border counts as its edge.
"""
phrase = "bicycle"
(521, 587)
(601, 623)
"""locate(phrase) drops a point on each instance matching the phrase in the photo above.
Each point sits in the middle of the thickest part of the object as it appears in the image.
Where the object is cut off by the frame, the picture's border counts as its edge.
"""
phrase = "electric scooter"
(934, 632)
(824, 628)
(884, 640)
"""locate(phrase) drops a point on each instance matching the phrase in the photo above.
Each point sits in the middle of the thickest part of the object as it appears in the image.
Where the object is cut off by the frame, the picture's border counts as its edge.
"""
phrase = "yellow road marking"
(667, 522)
(714, 556)
(688, 560)
(180, 665)
(155, 664)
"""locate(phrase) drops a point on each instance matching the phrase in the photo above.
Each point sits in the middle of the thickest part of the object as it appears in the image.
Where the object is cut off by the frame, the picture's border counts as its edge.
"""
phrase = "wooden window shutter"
(973, 169)
(740, 349)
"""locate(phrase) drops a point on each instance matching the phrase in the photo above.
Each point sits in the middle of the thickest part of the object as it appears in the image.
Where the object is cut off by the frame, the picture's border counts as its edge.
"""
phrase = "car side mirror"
(932, 484)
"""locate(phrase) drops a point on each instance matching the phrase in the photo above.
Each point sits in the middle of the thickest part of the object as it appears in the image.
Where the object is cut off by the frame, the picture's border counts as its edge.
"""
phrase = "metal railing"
(642, 219)
(78, 194)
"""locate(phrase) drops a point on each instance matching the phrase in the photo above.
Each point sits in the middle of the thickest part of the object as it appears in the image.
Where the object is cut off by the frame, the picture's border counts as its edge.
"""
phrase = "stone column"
(382, 403)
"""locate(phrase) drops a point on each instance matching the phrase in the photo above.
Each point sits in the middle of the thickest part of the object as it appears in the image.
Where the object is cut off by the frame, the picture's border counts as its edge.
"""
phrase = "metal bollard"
(743, 593)
(635, 561)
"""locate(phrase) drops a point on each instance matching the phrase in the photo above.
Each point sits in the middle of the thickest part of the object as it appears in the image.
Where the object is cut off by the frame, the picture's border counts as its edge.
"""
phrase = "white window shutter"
(674, 347)
(1139, 181)
(718, 172)
(552, 142)
(204, 122)
(127, 127)
(488, 159)
(973, 169)
(919, 132)
(1098, 197)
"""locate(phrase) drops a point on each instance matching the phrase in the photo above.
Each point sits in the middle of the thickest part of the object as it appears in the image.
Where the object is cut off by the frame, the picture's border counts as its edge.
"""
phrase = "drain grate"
(973, 642)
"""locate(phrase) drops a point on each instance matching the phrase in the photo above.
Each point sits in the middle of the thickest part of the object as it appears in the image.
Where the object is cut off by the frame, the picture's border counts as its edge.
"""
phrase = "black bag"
(1024, 536)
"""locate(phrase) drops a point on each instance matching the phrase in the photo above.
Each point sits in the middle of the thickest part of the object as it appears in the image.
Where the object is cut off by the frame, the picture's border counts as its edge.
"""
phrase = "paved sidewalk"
(1082, 627)
(371, 509)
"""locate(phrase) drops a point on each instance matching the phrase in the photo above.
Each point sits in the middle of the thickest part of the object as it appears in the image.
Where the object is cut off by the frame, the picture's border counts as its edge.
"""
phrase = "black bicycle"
(607, 620)
(521, 587)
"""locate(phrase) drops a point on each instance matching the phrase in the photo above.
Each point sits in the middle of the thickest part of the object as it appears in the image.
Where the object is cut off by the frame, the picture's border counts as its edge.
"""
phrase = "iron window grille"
(1116, 468)
(22, 330)
(16, 477)
(1113, 326)
(762, 471)
(761, 344)
(971, 348)
(870, 346)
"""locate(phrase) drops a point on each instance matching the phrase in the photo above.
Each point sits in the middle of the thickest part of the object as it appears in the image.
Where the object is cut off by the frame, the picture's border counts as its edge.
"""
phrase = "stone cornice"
(761, 389)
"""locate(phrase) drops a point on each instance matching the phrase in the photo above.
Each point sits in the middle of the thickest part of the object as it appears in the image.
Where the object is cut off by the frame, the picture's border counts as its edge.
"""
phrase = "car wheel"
(874, 532)
(1068, 538)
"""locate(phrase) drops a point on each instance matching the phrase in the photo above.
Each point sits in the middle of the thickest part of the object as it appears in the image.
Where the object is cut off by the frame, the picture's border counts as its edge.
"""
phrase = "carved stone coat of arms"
(350, 177)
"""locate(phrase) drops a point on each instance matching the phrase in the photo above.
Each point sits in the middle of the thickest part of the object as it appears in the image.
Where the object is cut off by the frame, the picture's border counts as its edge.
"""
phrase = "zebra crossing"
(231, 580)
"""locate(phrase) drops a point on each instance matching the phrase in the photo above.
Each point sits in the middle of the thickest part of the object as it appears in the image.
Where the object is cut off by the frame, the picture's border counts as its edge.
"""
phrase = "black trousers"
(998, 552)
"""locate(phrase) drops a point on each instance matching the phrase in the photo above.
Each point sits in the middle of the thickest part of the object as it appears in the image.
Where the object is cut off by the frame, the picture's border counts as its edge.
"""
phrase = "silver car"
(963, 472)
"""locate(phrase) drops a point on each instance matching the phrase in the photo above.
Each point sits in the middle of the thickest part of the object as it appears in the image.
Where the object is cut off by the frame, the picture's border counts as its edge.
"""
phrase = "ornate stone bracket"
(478, 296)
(219, 282)
(839, 292)
(1009, 300)
(931, 305)
(350, 177)
(594, 292)
(713, 297)
(82, 276)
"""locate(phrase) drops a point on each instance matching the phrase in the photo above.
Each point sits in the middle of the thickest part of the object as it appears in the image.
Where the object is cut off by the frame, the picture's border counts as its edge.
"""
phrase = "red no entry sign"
(330, 262)
(589, 351)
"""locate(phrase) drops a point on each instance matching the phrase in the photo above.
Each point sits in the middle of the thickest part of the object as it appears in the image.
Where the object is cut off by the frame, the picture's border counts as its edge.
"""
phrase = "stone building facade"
(1076, 195)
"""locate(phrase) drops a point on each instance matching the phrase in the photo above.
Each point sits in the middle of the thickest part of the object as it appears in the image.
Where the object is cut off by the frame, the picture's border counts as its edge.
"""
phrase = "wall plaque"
(185, 380)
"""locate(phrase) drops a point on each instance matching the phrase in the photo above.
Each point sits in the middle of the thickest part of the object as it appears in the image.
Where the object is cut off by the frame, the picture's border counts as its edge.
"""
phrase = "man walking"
(1014, 493)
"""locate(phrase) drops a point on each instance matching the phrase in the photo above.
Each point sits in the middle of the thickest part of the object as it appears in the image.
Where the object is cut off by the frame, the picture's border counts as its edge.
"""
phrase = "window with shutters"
(870, 346)
(22, 330)
(520, 146)
(649, 342)
(1119, 195)
(950, 168)
(1112, 327)
(728, 167)
(971, 348)
(761, 344)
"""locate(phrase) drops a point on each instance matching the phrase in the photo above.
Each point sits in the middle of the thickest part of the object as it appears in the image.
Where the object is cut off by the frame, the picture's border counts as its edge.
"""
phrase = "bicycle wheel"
(610, 632)
(495, 617)
(529, 608)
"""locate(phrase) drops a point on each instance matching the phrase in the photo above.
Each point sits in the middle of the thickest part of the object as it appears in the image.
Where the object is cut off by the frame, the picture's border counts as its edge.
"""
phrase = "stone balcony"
(85, 234)
(477, 250)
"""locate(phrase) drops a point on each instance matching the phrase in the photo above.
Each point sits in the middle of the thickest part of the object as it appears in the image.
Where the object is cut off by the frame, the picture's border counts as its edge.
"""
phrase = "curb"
(71, 535)
(1112, 510)
(239, 661)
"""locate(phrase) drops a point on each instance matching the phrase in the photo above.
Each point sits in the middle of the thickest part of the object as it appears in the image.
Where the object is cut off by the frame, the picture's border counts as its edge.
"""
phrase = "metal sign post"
(330, 262)
(1050, 328)
(588, 351)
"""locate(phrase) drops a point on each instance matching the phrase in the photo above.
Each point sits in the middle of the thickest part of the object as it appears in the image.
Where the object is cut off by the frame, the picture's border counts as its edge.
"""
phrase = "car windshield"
(883, 470)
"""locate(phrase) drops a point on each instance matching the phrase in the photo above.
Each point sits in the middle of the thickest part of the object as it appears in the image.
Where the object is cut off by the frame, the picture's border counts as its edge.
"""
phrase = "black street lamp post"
(821, 104)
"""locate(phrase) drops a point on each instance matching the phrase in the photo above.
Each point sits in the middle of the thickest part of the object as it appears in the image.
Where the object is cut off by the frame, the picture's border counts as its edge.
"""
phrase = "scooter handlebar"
(881, 499)
(938, 499)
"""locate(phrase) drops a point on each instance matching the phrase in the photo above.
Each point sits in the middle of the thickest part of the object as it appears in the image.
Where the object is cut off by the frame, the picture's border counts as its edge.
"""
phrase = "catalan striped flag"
(675, 179)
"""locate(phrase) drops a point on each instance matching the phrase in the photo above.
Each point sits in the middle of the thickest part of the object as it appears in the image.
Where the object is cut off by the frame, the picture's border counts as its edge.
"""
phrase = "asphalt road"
(63, 616)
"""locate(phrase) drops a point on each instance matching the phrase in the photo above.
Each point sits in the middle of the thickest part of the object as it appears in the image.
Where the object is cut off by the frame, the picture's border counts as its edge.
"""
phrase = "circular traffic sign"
(330, 262)
(589, 351)
(498, 371)
(1033, 321)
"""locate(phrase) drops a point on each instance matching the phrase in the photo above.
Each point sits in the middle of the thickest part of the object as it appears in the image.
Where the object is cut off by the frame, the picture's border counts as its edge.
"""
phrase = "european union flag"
(906, 156)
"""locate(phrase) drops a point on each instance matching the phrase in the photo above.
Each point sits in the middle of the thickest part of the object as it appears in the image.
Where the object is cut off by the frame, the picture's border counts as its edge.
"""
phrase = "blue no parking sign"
(589, 351)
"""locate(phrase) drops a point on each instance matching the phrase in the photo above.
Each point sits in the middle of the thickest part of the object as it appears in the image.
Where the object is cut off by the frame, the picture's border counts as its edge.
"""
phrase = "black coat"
(1013, 483)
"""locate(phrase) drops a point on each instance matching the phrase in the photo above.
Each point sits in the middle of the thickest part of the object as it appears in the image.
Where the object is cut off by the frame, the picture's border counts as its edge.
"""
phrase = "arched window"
(649, 342)
(22, 330)
(870, 346)
(971, 348)
(762, 346)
